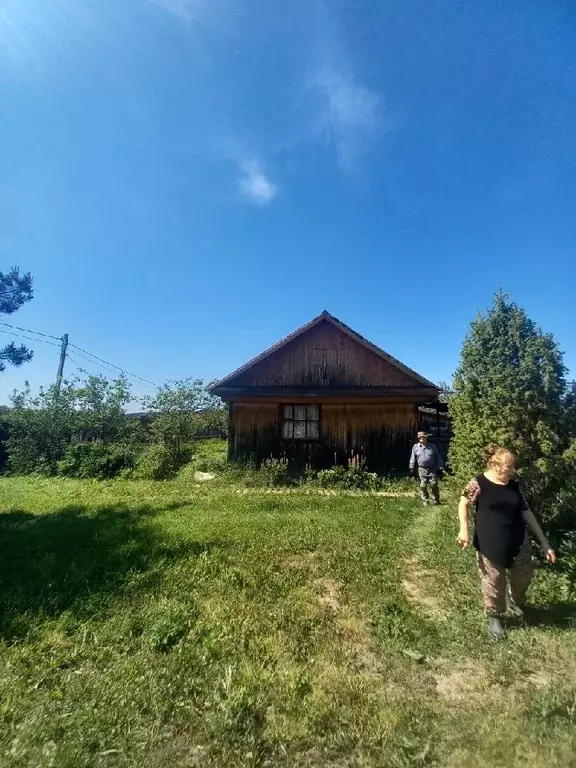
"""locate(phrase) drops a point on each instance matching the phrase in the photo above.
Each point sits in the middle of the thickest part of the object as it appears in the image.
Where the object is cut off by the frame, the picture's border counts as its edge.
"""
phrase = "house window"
(301, 422)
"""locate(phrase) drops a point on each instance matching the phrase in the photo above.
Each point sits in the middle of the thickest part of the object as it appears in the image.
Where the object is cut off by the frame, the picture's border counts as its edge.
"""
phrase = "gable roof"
(328, 318)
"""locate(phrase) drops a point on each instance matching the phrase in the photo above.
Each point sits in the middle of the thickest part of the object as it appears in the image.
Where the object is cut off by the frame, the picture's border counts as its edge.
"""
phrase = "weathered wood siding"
(254, 431)
(382, 433)
(324, 357)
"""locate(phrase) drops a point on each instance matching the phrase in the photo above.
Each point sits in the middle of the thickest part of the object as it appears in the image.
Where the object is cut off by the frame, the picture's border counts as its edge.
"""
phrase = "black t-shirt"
(500, 527)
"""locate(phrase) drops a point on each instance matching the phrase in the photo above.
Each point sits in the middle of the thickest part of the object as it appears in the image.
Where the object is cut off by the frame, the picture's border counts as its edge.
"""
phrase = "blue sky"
(190, 180)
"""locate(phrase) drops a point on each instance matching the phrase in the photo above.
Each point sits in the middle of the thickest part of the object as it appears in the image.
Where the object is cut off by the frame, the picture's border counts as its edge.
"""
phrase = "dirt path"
(419, 579)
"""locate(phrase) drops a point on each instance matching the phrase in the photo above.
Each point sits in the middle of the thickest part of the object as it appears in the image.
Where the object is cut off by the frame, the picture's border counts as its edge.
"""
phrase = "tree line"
(84, 430)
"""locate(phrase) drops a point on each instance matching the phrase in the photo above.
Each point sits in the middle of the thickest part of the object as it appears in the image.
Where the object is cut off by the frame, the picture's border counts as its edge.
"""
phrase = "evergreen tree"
(15, 290)
(510, 388)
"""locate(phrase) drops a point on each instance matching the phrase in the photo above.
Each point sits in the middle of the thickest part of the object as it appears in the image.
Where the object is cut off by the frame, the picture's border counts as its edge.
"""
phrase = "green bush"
(96, 460)
(45, 429)
(239, 473)
(160, 462)
(274, 473)
(184, 410)
(558, 585)
(353, 478)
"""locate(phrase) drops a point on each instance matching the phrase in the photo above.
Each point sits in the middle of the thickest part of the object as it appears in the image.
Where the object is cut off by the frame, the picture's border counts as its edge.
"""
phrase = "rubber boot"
(496, 628)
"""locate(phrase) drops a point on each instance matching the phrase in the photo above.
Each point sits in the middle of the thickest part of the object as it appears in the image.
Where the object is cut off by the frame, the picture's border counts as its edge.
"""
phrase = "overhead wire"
(94, 362)
(122, 370)
(79, 367)
(88, 356)
(29, 338)
(27, 330)
(76, 364)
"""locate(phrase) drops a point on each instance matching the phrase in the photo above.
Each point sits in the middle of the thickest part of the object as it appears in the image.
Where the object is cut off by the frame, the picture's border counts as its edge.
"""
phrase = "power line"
(122, 370)
(77, 364)
(105, 366)
(29, 338)
(69, 357)
(84, 370)
(27, 330)
(93, 362)
(111, 368)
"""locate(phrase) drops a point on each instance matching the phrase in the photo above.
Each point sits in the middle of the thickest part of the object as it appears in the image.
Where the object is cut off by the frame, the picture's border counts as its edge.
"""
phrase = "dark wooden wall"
(382, 433)
(324, 357)
(435, 420)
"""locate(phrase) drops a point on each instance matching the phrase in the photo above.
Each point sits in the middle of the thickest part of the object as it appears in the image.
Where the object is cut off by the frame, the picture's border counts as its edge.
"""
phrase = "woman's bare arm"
(464, 536)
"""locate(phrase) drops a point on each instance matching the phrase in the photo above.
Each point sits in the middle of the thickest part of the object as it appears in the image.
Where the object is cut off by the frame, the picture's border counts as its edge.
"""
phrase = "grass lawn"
(167, 624)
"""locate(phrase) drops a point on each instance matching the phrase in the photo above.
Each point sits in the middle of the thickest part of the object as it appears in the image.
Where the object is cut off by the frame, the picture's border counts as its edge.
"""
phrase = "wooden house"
(322, 396)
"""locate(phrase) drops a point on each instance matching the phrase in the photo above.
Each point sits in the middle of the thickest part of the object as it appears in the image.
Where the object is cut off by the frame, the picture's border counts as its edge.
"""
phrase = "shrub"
(183, 410)
(160, 462)
(274, 473)
(353, 478)
(96, 460)
(330, 478)
(44, 428)
(242, 473)
(39, 434)
(558, 585)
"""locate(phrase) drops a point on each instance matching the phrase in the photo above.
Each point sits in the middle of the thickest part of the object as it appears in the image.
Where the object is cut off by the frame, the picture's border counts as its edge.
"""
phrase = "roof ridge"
(333, 320)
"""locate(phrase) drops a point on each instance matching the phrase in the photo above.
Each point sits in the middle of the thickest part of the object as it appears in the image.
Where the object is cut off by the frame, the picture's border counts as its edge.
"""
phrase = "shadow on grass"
(72, 559)
(562, 614)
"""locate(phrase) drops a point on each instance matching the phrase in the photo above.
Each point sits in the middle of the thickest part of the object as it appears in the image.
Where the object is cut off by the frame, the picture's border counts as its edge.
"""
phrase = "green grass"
(172, 624)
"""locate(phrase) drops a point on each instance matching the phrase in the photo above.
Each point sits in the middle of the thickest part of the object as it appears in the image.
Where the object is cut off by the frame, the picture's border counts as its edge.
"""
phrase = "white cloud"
(183, 9)
(349, 114)
(255, 184)
(321, 98)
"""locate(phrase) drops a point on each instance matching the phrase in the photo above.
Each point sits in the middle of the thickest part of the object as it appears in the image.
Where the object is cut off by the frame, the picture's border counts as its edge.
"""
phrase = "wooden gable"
(324, 355)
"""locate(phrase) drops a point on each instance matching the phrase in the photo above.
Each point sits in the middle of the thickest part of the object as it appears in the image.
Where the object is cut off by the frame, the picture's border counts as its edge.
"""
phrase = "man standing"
(427, 460)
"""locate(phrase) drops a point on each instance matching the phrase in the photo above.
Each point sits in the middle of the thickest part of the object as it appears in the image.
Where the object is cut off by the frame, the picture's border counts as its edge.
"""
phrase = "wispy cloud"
(321, 97)
(186, 10)
(255, 185)
(349, 113)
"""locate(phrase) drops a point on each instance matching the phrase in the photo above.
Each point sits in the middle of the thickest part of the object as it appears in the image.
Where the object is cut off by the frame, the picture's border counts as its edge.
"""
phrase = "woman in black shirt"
(502, 515)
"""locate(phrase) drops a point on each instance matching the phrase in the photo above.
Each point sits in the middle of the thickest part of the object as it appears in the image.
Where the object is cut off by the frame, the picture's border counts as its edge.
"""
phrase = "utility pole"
(60, 373)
